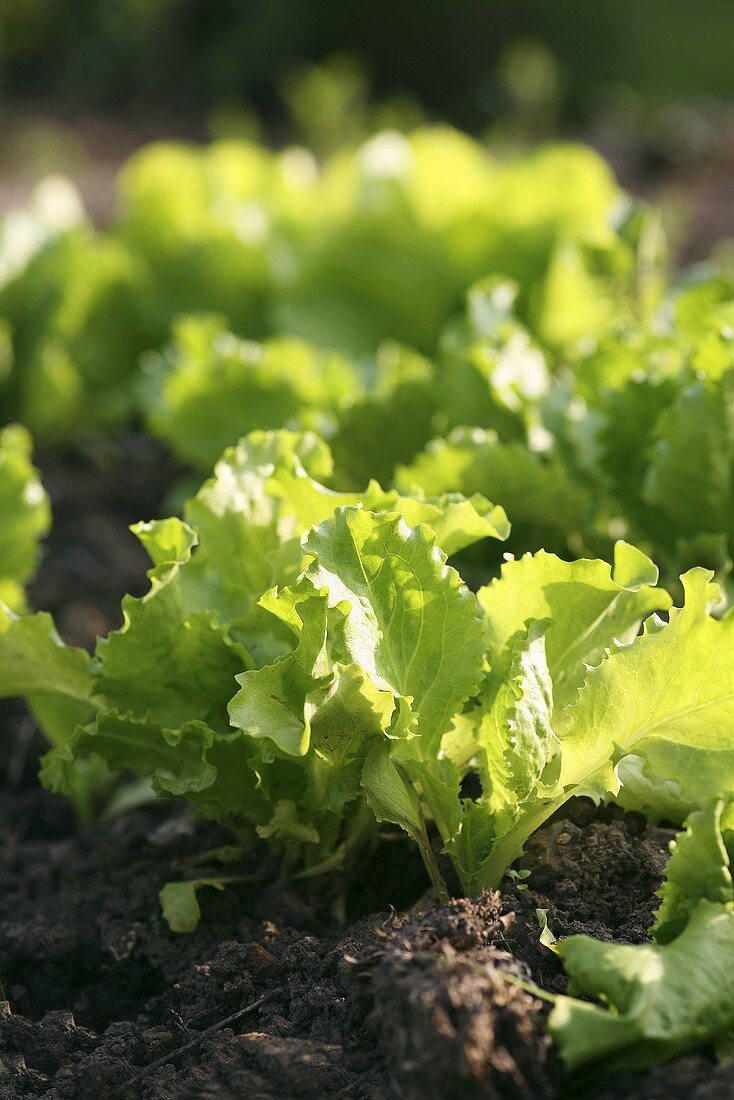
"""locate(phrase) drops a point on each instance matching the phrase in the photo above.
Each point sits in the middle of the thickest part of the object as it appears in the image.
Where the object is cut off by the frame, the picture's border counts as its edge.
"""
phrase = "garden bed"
(403, 999)
(365, 989)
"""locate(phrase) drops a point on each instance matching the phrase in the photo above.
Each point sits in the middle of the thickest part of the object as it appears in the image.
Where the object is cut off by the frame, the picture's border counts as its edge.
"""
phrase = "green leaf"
(410, 623)
(166, 540)
(168, 662)
(264, 496)
(457, 521)
(180, 905)
(588, 606)
(25, 511)
(344, 726)
(515, 734)
(34, 660)
(241, 523)
(288, 825)
(625, 419)
(574, 303)
(58, 715)
(390, 794)
(668, 698)
(390, 422)
(662, 1000)
(77, 314)
(547, 937)
(535, 492)
(176, 758)
(210, 388)
(643, 791)
(271, 701)
(699, 867)
(493, 373)
(691, 471)
(509, 743)
(392, 797)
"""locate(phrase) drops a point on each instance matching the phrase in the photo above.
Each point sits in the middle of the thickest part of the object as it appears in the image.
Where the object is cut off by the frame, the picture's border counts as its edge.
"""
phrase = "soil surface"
(98, 488)
(364, 989)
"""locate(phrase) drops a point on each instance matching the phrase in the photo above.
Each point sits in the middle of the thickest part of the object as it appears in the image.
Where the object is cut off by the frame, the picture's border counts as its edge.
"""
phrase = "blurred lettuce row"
(378, 243)
(72, 323)
(26, 517)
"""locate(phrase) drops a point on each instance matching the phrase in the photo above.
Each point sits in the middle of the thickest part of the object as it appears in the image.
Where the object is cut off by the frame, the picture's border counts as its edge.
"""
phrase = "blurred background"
(650, 83)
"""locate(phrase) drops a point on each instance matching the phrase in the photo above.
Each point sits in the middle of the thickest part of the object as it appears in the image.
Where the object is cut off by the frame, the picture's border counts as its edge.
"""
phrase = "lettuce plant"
(306, 664)
(154, 699)
(407, 222)
(75, 309)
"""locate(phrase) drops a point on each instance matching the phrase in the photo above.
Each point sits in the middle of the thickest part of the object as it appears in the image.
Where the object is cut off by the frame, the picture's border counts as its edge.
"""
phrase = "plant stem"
(431, 865)
(510, 846)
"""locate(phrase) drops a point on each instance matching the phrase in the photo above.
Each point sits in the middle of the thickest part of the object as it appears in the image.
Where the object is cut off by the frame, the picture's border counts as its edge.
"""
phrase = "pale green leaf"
(288, 825)
(240, 522)
(344, 725)
(34, 660)
(515, 736)
(410, 623)
(180, 905)
(457, 521)
(691, 472)
(271, 701)
(169, 662)
(392, 797)
(588, 606)
(667, 698)
(660, 1000)
(535, 492)
(25, 512)
(699, 867)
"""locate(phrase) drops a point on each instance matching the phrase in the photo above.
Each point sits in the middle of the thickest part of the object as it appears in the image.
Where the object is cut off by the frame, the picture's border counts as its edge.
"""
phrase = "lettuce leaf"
(35, 661)
(536, 492)
(661, 1000)
(410, 623)
(699, 867)
(668, 698)
(589, 607)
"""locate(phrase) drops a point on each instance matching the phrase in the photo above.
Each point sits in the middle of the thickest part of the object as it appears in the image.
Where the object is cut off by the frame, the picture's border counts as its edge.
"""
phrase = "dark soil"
(98, 488)
(366, 990)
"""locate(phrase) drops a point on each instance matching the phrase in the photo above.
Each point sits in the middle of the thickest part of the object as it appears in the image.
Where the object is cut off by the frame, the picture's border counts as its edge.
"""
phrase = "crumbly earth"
(346, 995)
(365, 990)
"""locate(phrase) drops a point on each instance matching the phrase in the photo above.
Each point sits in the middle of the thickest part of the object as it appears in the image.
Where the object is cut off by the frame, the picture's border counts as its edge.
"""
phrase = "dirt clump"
(446, 1008)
